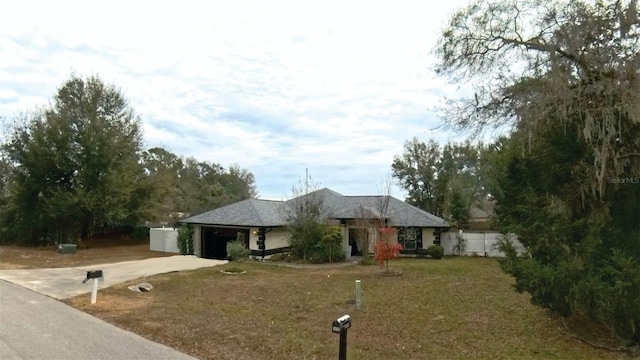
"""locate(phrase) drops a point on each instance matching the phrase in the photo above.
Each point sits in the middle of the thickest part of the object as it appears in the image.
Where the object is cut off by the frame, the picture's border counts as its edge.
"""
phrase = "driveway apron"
(63, 283)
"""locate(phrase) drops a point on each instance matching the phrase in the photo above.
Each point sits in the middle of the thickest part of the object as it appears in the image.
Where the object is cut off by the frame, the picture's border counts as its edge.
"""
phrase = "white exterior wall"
(197, 233)
(275, 239)
(427, 237)
(164, 239)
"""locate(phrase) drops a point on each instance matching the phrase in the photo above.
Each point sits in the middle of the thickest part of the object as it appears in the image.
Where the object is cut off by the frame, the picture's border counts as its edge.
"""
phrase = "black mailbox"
(341, 324)
(93, 274)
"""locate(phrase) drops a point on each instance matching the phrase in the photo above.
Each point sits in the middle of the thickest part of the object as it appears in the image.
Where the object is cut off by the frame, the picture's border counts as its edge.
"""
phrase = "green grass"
(456, 308)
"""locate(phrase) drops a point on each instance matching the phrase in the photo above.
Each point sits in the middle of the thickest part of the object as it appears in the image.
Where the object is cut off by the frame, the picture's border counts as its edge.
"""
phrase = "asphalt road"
(34, 326)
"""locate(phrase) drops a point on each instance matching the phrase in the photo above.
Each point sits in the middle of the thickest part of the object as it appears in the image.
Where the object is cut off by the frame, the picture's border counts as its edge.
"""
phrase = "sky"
(277, 87)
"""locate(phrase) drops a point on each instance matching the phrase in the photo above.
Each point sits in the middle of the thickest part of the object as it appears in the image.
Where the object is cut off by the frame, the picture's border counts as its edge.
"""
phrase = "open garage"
(214, 240)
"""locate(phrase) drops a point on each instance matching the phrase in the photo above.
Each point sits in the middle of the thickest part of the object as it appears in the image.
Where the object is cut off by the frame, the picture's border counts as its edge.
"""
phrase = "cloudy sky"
(335, 87)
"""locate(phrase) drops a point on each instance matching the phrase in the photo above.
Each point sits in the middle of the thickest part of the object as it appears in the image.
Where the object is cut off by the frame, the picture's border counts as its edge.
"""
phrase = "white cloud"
(277, 87)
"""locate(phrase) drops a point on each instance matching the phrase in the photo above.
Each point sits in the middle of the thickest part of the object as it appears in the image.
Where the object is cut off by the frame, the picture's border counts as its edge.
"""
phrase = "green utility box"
(67, 248)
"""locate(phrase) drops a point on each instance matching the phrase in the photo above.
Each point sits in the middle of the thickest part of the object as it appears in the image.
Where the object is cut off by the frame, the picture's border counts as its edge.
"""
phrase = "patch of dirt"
(105, 250)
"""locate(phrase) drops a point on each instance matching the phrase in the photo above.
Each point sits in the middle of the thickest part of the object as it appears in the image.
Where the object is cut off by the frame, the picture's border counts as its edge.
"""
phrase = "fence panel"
(475, 243)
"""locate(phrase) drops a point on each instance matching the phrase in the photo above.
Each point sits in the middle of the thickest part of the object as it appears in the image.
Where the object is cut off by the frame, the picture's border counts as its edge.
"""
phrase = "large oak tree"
(444, 180)
(564, 77)
(75, 165)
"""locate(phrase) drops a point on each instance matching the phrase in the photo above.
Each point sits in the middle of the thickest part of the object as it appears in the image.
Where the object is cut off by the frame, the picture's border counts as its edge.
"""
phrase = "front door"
(355, 241)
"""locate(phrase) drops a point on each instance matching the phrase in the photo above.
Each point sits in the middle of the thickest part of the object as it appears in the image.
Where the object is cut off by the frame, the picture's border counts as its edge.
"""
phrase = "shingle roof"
(249, 212)
(267, 213)
(397, 211)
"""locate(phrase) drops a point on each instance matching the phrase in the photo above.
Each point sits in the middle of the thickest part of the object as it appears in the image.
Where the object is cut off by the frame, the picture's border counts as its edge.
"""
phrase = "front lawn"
(456, 308)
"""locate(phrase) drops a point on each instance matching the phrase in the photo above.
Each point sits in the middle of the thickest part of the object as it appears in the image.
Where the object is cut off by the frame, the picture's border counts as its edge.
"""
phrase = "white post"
(358, 295)
(485, 244)
(94, 292)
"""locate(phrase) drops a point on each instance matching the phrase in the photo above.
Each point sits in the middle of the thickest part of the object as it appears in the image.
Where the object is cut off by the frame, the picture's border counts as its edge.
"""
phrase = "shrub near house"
(323, 243)
(330, 247)
(237, 251)
(185, 240)
(435, 251)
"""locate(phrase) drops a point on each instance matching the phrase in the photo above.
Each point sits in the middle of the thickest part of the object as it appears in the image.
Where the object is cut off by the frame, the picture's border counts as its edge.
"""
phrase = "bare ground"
(101, 251)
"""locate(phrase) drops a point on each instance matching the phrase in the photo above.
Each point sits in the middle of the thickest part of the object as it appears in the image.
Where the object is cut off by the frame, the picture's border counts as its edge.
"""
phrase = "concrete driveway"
(63, 283)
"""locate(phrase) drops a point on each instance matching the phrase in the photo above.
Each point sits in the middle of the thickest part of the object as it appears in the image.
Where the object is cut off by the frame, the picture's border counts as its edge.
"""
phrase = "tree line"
(564, 77)
(445, 180)
(78, 165)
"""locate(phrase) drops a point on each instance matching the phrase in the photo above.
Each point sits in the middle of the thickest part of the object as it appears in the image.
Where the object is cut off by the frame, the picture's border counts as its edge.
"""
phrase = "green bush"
(330, 247)
(507, 246)
(321, 257)
(140, 233)
(4, 236)
(321, 244)
(236, 251)
(603, 285)
(185, 240)
(435, 251)
(304, 239)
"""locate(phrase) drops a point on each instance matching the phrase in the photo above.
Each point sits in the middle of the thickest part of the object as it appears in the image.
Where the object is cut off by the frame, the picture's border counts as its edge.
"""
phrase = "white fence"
(164, 239)
(475, 243)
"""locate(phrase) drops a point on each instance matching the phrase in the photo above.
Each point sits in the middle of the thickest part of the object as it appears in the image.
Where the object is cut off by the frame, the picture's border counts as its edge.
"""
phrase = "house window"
(436, 237)
(410, 238)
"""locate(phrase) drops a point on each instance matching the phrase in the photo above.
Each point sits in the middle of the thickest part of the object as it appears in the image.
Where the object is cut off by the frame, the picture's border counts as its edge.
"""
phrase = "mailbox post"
(340, 326)
(95, 275)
